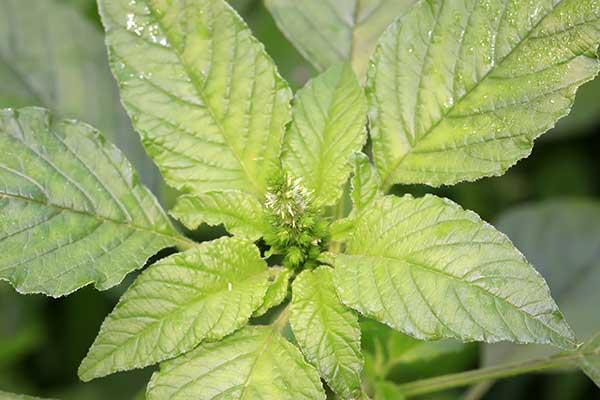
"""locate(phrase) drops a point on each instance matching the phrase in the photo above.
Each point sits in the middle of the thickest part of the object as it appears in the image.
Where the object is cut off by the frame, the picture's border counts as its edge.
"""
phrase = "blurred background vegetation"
(52, 54)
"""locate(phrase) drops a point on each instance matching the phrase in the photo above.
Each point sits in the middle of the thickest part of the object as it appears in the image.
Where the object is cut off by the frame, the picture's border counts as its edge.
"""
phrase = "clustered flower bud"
(300, 232)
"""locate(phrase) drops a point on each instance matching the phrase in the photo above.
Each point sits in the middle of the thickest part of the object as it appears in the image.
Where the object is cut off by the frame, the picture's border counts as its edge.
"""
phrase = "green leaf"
(73, 211)
(241, 213)
(327, 332)
(562, 239)
(366, 184)
(203, 294)
(585, 114)
(13, 396)
(460, 89)
(366, 189)
(328, 125)
(431, 270)
(277, 291)
(329, 32)
(200, 89)
(254, 363)
(590, 359)
(51, 57)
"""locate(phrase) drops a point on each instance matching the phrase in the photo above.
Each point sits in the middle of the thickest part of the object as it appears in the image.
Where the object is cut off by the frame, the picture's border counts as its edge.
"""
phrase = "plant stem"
(486, 374)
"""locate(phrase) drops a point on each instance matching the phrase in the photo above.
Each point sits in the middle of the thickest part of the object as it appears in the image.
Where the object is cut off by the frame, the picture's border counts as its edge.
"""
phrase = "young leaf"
(202, 294)
(241, 213)
(328, 125)
(200, 89)
(562, 239)
(327, 332)
(51, 57)
(254, 363)
(430, 269)
(460, 89)
(366, 184)
(73, 211)
(329, 32)
(366, 189)
(277, 291)
(590, 359)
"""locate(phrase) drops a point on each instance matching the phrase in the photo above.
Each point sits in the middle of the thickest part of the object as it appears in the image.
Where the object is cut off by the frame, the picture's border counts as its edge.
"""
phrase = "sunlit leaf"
(254, 363)
(431, 270)
(460, 89)
(73, 211)
(203, 294)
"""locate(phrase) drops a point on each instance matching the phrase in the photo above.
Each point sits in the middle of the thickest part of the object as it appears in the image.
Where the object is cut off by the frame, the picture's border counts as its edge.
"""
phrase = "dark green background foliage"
(43, 340)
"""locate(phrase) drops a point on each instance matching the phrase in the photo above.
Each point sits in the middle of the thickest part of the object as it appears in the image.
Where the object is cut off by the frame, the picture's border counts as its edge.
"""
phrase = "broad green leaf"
(200, 89)
(13, 396)
(590, 359)
(459, 89)
(277, 291)
(333, 31)
(327, 332)
(254, 363)
(562, 239)
(72, 210)
(51, 57)
(328, 125)
(430, 269)
(203, 294)
(241, 213)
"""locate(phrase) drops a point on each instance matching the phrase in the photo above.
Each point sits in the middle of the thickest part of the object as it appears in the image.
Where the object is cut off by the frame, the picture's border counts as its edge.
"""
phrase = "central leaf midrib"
(197, 87)
(387, 182)
(102, 219)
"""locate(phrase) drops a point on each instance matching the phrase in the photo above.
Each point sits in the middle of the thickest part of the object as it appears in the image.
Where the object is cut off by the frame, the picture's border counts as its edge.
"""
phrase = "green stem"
(485, 374)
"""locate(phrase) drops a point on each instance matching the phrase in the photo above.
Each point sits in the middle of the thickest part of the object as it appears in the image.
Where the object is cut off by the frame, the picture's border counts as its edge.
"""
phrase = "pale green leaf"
(431, 270)
(51, 57)
(202, 294)
(277, 291)
(72, 210)
(327, 332)
(590, 359)
(241, 213)
(254, 363)
(366, 184)
(200, 89)
(328, 125)
(332, 31)
(561, 238)
(366, 189)
(459, 89)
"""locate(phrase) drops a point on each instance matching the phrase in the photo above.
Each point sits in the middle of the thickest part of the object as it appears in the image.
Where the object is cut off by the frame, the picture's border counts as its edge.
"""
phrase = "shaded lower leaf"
(432, 270)
(327, 332)
(254, 363)
(241, 213)
(13, 396)
(72, 210)
(204, 293)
